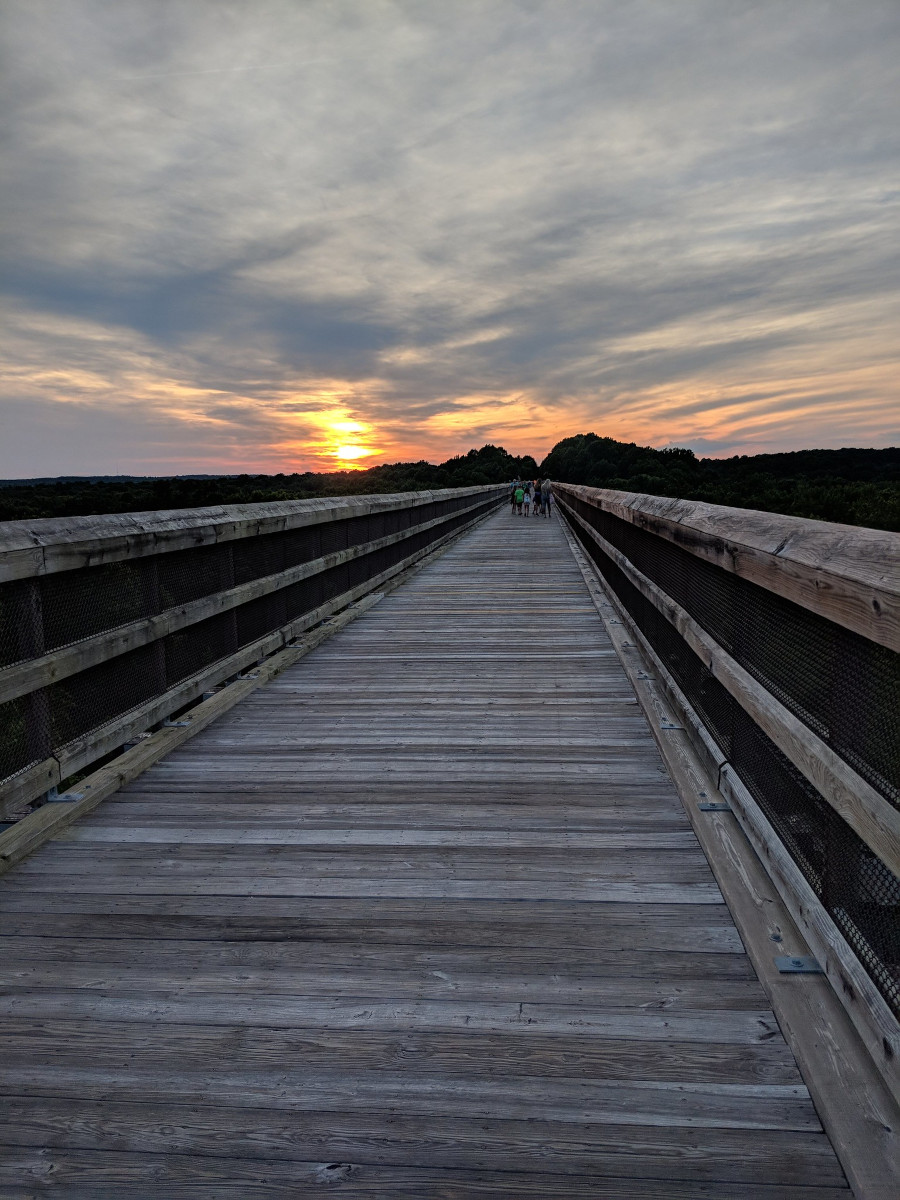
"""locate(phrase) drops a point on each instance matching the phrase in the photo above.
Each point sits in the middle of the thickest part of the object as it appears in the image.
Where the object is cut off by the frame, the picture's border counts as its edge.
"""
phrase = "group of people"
(530, 497)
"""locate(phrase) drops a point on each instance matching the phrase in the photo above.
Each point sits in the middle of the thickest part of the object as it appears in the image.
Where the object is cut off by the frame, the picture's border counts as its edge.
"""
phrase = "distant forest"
(853, 486)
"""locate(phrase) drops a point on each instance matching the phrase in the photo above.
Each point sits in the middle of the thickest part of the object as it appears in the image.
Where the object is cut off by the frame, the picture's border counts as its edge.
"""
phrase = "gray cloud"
(637, 217)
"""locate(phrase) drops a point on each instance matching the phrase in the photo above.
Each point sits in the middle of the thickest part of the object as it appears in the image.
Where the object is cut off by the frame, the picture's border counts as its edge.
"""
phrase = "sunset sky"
(275, 235)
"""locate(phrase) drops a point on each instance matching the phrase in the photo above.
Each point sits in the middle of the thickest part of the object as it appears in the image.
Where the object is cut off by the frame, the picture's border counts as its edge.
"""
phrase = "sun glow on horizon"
(345, 442)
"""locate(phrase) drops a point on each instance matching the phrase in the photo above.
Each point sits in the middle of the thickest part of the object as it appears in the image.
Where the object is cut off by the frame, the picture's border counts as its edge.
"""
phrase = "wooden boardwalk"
(423, 918)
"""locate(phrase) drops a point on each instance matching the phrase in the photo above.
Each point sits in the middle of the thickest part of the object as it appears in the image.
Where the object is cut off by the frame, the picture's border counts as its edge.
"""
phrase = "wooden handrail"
(46, 545)
(846, 573)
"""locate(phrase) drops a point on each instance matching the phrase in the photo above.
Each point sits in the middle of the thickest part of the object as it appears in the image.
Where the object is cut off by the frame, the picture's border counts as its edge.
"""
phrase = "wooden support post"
(151, 607)
(37, 704)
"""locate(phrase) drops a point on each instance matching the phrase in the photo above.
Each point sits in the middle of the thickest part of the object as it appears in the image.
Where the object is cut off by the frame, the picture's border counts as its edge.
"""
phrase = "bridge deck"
(422, 918)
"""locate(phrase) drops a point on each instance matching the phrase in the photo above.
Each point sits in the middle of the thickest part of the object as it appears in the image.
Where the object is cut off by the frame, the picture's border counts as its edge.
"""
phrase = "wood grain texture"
(422, 916)
(848, 574)
(46, 545)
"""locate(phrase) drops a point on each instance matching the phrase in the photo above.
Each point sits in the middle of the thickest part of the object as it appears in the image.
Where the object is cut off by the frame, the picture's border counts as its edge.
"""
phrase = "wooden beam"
(48, 545)
(845, 573)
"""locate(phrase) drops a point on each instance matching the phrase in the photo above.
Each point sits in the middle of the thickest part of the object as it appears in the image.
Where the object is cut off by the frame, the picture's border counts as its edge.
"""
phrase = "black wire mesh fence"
(844, 687)
(50, 612)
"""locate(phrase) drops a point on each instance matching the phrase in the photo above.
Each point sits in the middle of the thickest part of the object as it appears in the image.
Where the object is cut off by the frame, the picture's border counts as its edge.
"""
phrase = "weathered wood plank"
(466, 1053)
(45, 545)
(742, 1156)
(425, 921)
(707, 1106)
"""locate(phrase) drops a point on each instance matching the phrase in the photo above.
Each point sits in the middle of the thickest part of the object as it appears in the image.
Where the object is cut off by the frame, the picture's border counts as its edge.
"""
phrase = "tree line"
(853, 486)
(72, 497)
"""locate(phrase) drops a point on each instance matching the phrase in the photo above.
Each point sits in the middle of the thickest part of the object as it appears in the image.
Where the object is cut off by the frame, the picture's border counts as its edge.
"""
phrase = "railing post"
(226, 581)
(151, 606)
(38, 725)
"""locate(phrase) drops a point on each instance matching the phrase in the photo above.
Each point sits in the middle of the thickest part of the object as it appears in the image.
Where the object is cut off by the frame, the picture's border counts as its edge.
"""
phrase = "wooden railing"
(109, 625)
(777, 640)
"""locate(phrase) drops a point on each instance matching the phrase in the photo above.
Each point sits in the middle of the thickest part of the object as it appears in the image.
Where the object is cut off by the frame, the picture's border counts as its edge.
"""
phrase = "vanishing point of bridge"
(396, 849)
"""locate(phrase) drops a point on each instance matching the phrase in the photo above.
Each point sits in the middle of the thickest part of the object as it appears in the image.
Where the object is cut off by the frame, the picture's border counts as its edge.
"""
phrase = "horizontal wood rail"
(48, 545)
(213, 626)
(825, 572)
(845, 573)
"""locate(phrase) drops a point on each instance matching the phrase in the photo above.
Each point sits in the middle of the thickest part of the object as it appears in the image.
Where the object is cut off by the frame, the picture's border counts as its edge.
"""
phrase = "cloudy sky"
(288, 234)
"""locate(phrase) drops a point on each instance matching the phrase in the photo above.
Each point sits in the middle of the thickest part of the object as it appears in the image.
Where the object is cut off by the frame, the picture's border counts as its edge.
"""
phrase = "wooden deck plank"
(571, 1147)
(464, 1053)
(120, 1175)
(425, 912)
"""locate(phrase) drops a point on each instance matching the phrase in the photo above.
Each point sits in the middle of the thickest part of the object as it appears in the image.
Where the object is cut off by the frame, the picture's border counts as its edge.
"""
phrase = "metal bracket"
(669, 725)
(65, 798)
(797, 965)
(175, 724)
(714, 806)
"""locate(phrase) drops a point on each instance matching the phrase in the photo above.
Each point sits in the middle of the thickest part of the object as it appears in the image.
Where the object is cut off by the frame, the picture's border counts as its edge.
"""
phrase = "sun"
(348, 441)
(352, 452)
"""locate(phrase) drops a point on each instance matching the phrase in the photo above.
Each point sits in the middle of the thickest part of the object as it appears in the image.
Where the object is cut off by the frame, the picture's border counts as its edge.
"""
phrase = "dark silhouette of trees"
(69, 497)
(852, 486)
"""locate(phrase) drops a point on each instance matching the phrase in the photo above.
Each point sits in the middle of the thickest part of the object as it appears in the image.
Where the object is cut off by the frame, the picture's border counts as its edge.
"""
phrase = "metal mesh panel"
(334, 537)
(42, 614)
(843, 686)
(301, 545)
(15, 752)
(859, 892)
(197, 646)
(259, 617)
(16, 621)
(78, 604)
(257, 557)
(186, 575)
(302, 597)
(96, 696)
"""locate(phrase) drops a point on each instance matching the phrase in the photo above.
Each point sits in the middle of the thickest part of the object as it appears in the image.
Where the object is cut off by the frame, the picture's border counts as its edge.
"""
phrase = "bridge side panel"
(796, 711)
(109, 625)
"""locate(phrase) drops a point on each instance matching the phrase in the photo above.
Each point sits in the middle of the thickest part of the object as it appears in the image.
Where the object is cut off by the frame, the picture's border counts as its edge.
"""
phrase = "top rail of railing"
(46, 545)
(847, 573)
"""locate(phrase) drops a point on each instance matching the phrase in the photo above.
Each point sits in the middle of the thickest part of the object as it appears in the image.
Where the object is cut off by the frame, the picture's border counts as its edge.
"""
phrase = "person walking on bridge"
(546, 497)
(519, 495)
(527, 499)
